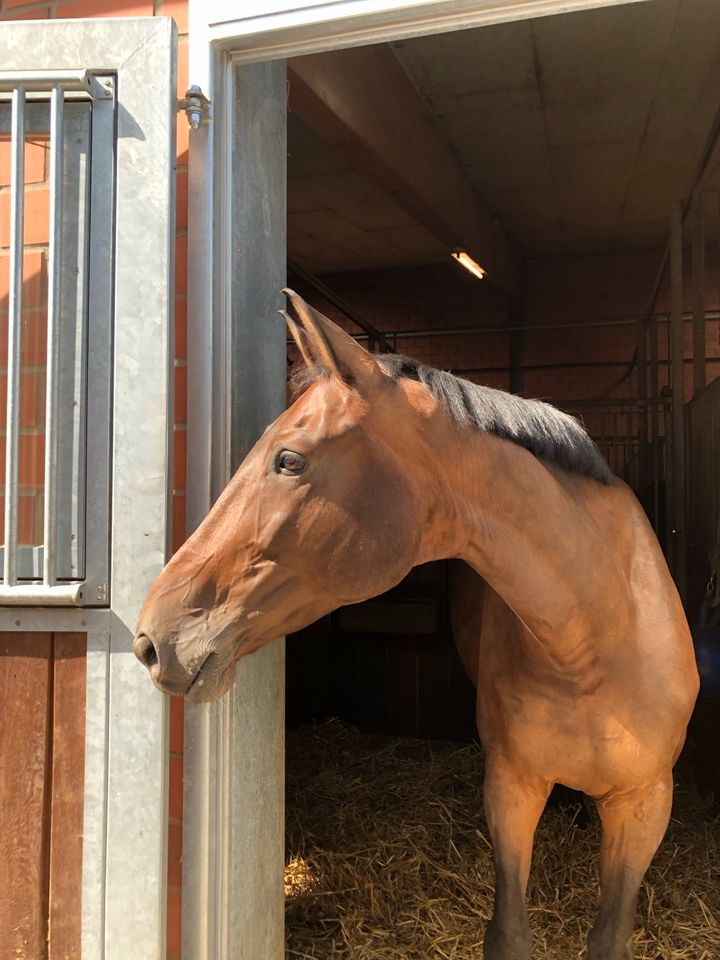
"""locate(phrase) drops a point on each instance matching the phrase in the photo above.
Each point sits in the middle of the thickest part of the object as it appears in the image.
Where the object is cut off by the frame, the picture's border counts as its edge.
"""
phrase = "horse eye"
(291, 464)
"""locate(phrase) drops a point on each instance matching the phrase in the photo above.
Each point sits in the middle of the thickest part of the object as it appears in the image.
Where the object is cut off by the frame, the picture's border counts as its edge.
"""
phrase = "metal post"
(53, 339)
(642, 373)
(667, 471)
(516, 354)
(234, 749)
(678, 398)
(698, 282)
(654, 420)
(12, 429)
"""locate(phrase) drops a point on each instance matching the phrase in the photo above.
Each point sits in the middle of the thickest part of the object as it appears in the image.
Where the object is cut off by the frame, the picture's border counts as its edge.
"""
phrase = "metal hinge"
(196, 105)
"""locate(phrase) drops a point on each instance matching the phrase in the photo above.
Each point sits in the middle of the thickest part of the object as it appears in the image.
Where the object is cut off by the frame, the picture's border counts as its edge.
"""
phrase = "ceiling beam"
(361, 102)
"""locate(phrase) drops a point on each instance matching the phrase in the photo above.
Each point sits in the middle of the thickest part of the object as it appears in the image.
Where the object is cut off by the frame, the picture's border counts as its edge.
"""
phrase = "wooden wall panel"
(25, 693)
(66, 796)
(42, 762)
(388, 665)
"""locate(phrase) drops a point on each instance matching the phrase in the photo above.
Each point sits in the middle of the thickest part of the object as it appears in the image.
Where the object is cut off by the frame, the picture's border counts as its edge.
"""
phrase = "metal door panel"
(116, 373)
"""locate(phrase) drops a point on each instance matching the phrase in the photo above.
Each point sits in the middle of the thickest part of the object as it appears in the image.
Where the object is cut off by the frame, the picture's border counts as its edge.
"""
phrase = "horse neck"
(508, 515)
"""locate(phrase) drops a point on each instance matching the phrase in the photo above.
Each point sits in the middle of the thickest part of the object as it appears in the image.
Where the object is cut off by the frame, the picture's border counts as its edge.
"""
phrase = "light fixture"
(464, 258)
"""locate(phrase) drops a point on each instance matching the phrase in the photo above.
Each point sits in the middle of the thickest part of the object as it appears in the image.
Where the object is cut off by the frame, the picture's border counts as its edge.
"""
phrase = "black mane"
(538, 427)
(546, 432)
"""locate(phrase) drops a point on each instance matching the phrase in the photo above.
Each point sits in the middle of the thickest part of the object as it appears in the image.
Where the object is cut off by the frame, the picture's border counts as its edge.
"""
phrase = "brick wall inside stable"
(612, 289)
(34, 307)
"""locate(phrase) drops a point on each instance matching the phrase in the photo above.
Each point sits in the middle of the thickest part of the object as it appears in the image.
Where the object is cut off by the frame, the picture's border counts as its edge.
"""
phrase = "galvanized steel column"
(233, 843)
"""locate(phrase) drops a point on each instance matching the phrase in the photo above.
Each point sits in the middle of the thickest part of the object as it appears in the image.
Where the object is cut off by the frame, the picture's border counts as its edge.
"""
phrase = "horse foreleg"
(633, 824)
(513, 805)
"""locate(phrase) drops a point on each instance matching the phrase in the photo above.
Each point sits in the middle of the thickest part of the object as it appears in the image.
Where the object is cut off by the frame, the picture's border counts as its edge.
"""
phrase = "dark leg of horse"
(512, 808)
(633, 826)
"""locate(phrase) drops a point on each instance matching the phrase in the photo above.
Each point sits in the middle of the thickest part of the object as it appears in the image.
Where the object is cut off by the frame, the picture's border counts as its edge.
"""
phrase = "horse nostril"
(145, 650)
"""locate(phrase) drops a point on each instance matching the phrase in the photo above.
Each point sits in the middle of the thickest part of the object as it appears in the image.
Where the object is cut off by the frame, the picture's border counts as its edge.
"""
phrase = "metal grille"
(620, 428)
(703, 510)
(67, 563)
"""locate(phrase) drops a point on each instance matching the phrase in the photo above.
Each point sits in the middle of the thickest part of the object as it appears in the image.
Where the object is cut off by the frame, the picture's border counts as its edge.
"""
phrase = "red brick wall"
(34, 315)
(34, 306)
(567, 292)
(568, 365)
(431, 297)
(599, 288)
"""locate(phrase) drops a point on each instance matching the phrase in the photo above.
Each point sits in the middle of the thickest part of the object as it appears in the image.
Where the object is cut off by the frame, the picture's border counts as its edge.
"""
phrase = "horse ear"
(300, 337)
(332, 347)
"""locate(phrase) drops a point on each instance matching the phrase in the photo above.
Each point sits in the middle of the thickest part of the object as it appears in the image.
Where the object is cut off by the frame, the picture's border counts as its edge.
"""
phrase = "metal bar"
(701, 169)
(620, 442)
(42, 81)
(617, 449)
(698, 282)
(640, 418)
(582, 364)
(39, 594)
(642, 372)
(678, 397)
(12, 427)
(624, 402)
(52, 386)
(516, 355)
(710, 316)
(654, 421)
(53, 619)
(94, 464)
(668, 475)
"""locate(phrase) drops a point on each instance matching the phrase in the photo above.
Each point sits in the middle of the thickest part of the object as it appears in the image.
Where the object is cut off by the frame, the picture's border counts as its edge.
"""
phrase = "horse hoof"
(600, 949)
(506, 944)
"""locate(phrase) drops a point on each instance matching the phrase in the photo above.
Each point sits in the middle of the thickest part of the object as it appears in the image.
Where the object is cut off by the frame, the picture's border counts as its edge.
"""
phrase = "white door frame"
(222, 752)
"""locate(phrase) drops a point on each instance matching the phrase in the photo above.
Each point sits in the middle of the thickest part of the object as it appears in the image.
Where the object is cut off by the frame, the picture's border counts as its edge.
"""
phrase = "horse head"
(325, 510)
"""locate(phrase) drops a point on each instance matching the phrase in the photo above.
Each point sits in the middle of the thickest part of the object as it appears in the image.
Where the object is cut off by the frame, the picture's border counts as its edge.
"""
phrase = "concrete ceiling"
(577, 131)
(339, 220)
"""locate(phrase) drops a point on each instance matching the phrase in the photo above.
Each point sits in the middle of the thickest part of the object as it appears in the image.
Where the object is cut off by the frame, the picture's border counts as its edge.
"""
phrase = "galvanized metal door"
(86, 475)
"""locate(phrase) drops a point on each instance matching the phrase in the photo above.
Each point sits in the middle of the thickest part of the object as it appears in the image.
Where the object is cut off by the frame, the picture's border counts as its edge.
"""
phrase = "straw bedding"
(388, 858)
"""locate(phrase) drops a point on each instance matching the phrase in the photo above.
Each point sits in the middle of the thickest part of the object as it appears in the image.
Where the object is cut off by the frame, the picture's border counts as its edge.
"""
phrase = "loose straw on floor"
(388, 858)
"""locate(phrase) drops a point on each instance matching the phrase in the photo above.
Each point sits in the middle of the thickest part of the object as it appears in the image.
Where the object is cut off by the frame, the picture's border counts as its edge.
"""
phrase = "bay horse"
(565, 614)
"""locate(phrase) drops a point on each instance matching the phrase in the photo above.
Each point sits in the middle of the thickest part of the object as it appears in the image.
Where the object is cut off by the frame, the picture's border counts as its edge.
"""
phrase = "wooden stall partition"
(42, 757)
(387, 665)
